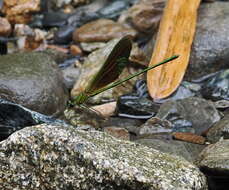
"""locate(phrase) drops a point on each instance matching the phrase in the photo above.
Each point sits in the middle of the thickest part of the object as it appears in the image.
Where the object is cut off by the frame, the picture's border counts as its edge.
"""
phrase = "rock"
(74, 159)
(144, 15)
(83, 118)
(137, 104)
(14, 117)
(5, 27)
(75, 50)
(217, 86)
(70, 75)
(189, 151)
(222, 104)
(113, 9)
(219, 130)
(64, 35)
(131, 125)
(138, 56)
(135, 107)
(201, 113)
(20, 12)
(101, 30)
(28, 38)
(59, 49)
(185, 90)
(106, 110)
(155, 126)
(117, 132)
(213, 161)
(189, 137)
(210, 45)
(54, 19)
(92, 46)
(34, 81)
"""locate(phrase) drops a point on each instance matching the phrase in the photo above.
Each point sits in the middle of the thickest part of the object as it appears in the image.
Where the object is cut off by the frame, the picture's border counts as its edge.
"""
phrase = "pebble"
(90, 47)
(117, 132)
(5, 27)
(102, 30)
(144, 16)
(20, 11)
(189, 137)
(28, 38)
(75, 50)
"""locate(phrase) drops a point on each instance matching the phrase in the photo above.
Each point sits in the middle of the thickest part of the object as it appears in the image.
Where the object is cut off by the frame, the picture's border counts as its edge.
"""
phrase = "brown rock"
(75, 50)
(189, 137)
(58, 48)
(138, 56)
(19, 11)
(145, 15)
(5, 27)
(119, 133)
(106, 110)
(28, 38)
(102, 30)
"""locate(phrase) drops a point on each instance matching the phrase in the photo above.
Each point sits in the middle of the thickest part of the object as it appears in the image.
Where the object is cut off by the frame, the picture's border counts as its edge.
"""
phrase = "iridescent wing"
(112, 67)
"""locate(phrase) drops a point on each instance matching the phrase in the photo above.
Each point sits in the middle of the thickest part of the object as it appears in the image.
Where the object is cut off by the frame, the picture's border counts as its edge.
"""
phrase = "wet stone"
(70, 75)
(222, 104)
(14, 117)
(136, 104)
(217, 86)
(34, 81)
(185, 90)
(134, 107)
(101, 30)
(63, 35)
(213, 162)
(54, 19)
(193, 112)
(219, 130)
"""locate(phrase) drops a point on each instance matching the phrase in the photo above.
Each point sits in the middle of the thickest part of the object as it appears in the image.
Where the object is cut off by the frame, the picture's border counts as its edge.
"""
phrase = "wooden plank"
(175, 36)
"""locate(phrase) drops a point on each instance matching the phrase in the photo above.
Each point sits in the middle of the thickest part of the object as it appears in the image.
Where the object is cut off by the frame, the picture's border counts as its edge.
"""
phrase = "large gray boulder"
(34, 81)
(214, 162)
(210, 49)
(56, 157)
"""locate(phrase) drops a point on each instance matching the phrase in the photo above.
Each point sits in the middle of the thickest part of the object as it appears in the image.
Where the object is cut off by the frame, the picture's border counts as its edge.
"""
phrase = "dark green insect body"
(80, 99)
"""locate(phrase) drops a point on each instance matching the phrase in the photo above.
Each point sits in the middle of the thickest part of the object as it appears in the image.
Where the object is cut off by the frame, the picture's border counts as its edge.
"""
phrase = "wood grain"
(175, 36)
